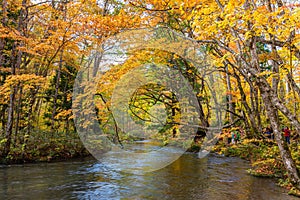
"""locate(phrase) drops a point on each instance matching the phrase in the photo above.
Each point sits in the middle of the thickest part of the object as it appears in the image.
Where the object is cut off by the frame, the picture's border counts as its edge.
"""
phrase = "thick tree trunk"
(97, 62)
(203, 120)
(283, 148)
(263, 83)
(278, 104)
(272, 103)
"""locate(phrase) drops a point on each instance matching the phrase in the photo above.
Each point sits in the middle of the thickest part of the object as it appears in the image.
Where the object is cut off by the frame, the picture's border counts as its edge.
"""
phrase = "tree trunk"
(229, 96)
(292, 82)
(257, 110)
(2, 116)
(58, 72)
(18, 112)
(278, 104)
(249, 112)
(272, 103)
(283, 148)
(9, 124)
(4, 22)
(30, 109)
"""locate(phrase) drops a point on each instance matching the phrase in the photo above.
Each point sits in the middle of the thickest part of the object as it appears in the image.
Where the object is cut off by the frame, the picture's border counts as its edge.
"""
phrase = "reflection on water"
(214, 177)
(141, 157)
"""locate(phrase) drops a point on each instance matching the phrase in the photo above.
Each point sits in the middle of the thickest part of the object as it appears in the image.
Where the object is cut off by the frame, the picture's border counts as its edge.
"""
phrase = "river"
(213, 177)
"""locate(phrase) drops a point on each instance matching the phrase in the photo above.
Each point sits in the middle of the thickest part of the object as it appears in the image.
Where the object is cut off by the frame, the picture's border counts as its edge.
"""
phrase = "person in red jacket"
(287, 134)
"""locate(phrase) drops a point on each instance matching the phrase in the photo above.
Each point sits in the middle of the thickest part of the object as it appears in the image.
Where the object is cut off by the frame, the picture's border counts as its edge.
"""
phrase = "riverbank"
(264, 157)
(44, 147)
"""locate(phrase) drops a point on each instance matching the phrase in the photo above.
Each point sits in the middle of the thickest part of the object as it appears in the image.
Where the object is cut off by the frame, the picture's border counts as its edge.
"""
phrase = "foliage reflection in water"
(214, 177)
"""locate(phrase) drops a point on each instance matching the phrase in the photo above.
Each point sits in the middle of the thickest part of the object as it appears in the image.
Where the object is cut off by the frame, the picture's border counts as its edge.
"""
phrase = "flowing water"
(214, 177)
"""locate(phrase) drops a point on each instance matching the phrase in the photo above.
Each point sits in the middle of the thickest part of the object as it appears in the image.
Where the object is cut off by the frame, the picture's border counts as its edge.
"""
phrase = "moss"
(194, 148)
(42, 146)
(259, 174)
(294, 191)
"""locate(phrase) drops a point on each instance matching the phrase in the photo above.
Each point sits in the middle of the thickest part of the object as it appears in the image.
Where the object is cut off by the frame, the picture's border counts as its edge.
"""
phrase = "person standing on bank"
(287, 134)
(272, 133)
(233, 136)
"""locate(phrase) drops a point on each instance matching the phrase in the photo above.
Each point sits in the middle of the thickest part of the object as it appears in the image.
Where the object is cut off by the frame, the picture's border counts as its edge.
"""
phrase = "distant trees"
(42, 45)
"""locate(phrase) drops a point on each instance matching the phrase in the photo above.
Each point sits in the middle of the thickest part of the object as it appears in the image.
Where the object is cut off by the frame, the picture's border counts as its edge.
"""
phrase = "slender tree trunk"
(63, 8)
(217, 103)
(116, 139)
(15, 62)
(10, 120)
(295, 89)
(4, 22)
(257, 110)
(18, 112)
(37, 110)
(2, 58)
(2, 44)
(229, 96)
(58, 73)
(174, 131)
(12, 97)
(30, 109)
(65, 100)
(249, 112)
(3, 111)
